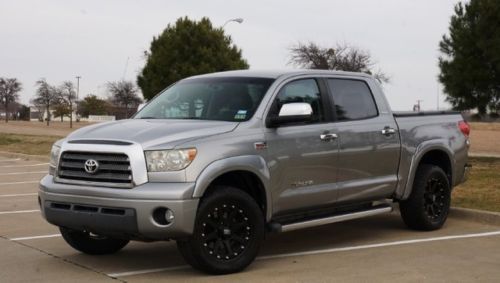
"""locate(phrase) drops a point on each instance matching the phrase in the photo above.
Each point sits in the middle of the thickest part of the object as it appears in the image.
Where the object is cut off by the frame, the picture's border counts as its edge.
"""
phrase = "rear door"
(369, 145)
(302, 162)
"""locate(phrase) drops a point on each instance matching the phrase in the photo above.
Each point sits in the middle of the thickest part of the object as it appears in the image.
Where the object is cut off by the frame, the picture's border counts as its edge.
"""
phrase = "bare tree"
(67, 96)
(342, 57)
(9, 93)
(125, 94)
(46, 95)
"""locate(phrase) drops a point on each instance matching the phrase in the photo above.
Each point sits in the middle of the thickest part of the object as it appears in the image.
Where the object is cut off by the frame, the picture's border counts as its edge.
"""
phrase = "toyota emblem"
(91, 166)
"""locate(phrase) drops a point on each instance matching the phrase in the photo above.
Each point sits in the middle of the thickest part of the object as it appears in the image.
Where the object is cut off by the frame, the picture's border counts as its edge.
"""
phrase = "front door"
(301, 160)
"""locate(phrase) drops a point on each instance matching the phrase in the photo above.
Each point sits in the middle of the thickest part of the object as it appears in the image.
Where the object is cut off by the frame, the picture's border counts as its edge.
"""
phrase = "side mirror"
(291, 113)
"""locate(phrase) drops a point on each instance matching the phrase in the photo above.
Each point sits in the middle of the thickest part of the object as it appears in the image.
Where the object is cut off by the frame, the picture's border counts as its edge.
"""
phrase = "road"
(376, 249)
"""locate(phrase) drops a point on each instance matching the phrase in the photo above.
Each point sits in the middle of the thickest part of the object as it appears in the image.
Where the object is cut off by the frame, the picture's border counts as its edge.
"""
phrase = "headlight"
(169, 160)
(54, 158)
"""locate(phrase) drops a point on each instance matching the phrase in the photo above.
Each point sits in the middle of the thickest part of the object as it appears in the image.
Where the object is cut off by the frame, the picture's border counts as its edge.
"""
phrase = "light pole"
(77, 93)
(237, 20)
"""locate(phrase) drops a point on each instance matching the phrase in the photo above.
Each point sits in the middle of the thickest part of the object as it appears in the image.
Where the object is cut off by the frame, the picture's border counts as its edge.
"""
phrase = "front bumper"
(124, 213)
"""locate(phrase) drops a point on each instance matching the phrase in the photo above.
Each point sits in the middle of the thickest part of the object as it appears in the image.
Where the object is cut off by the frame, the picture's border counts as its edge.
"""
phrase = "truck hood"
(153, 133)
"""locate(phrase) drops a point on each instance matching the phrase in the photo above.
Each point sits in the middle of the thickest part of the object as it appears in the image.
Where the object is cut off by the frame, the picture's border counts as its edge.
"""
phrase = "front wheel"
(92, 244)
(429, 202)
(228, 232)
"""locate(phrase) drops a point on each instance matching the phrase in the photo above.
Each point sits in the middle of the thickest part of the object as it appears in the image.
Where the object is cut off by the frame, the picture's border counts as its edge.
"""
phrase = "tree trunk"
(6, 111)
(70, 115)
(48, 114)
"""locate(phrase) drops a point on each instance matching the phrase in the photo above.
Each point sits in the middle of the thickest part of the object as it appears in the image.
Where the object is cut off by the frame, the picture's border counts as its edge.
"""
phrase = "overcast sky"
(104, 40)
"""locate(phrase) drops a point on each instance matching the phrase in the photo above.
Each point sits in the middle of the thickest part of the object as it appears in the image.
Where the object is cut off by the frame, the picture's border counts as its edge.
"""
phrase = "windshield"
(225, 99)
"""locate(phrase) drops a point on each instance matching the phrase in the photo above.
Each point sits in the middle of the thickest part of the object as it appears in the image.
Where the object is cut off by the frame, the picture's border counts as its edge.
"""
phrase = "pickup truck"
(216, 161)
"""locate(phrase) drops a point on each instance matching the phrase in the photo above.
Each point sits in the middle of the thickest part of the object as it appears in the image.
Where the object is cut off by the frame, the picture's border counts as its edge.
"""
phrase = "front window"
(225, 99)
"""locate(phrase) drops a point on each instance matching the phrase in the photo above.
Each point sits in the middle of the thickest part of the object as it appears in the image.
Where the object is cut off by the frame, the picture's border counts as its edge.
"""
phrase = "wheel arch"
(249, 173)
(434, 152)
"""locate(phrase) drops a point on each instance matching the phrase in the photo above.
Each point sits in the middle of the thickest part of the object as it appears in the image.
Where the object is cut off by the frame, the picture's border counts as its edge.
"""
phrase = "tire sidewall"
(229, 196)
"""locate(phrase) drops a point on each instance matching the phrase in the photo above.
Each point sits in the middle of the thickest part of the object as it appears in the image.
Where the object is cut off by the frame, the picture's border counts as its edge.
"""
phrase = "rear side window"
(353, 99)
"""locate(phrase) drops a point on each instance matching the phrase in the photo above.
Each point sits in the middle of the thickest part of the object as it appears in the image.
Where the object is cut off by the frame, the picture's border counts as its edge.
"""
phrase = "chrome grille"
(114, 168)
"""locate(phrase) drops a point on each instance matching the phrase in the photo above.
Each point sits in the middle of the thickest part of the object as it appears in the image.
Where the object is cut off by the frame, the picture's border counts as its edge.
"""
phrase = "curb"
(486, 217)
(25, 156)
(489, 155)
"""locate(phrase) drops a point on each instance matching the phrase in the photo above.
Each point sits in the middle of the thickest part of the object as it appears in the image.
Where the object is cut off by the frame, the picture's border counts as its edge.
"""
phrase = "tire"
(429, 203)
(228, 231)
(92, 244)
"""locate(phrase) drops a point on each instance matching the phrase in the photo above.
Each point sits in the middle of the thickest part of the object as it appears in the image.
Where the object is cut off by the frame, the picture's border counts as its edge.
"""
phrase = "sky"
(104, 40)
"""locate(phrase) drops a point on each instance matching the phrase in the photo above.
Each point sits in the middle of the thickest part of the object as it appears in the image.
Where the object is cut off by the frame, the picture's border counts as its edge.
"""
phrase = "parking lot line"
(17, 195)
(26, 165)
(35, 237)
(146, 271)
(18, 183)
(19, 211)
(22, 173)
(16, 159)
(323, 251)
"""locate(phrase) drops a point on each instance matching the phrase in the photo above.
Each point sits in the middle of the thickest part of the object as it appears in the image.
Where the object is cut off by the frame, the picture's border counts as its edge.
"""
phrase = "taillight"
(464, 128)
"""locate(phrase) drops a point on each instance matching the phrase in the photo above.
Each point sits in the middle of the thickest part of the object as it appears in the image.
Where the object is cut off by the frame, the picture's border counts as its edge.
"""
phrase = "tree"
(124, 93)
(92, 105)
(46, 96)
(61, 109)
(9, 93)
(67, 96)
(470, 57)
(342, 57)
(185, 49)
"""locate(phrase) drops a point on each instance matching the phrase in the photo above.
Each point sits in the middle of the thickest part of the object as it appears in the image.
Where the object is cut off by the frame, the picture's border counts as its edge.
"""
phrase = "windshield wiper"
(148, 117)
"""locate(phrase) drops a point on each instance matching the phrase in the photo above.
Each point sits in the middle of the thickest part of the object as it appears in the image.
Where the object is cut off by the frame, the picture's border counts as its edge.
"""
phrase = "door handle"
(327, 137)
(387, 131)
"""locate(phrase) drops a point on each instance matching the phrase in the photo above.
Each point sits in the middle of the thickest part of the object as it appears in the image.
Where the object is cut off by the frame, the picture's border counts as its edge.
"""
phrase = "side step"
(331, 219)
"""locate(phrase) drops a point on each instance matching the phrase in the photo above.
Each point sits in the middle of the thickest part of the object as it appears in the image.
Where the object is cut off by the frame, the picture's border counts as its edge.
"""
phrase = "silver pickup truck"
(217, 161)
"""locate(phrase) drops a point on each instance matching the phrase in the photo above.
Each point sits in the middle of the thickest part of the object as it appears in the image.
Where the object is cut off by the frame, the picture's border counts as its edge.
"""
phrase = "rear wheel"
(228, 232)
(429, 202)
(89, 243)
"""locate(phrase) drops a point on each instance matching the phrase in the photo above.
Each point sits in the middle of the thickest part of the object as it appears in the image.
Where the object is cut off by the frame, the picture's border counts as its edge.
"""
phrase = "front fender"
(251, 163)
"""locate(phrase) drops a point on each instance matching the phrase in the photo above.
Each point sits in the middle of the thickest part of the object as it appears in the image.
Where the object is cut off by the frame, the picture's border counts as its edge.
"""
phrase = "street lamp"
(237, 20)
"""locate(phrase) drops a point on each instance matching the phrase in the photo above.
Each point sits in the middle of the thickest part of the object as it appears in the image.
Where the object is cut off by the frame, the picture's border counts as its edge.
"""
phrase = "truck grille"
(111, 168)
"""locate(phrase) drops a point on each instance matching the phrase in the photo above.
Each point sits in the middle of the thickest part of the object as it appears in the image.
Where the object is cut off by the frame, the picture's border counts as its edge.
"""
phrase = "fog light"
(163, 216)
(169, 215)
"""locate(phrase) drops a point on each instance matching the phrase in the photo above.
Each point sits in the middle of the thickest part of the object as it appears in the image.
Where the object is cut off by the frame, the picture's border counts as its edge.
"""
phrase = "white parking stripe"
(17, 159)
(19, 211)
(22, 173)
(19, 183)
(17, 195)
(145, 271)
(387, 244)
(27, 165)
(35, 237)
(314, 252)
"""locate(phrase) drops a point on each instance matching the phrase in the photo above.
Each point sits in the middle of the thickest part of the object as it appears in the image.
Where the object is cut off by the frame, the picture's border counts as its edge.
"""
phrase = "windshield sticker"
(240, 115)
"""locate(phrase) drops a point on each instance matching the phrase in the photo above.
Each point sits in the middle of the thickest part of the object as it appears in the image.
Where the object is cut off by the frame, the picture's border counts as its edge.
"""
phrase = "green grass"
(27, 144)
(482, 189)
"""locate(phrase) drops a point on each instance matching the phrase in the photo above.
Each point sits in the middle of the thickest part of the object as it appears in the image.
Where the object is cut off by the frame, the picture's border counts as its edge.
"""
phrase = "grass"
(482, 190)
(27, 144)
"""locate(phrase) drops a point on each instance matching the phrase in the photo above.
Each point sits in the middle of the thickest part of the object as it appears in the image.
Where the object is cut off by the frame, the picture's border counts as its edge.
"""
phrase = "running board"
(332, 219)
